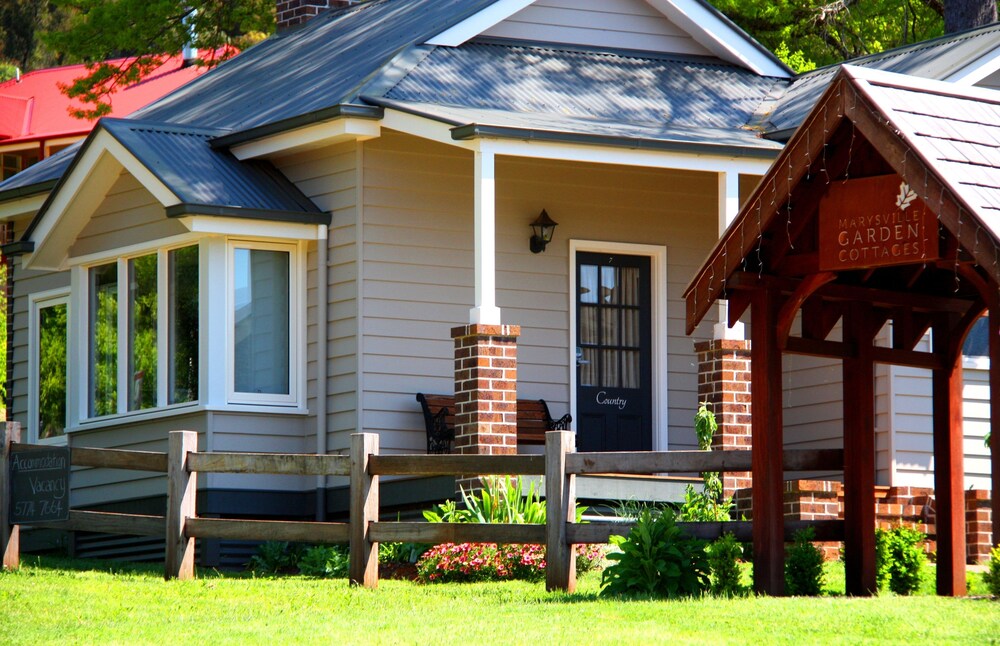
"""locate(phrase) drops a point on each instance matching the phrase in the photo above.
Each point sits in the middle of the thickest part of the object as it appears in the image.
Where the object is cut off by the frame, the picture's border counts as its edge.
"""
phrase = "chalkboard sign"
(39, 479)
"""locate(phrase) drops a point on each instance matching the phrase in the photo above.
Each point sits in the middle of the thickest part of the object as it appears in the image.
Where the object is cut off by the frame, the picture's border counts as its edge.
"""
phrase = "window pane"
(261, 321)
(142, 332)
(977, 343)
(51, 370)
(104, 337)
(183, 332)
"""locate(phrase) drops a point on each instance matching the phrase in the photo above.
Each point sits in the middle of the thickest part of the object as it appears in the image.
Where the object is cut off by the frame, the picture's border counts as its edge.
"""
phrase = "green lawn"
(58, 601)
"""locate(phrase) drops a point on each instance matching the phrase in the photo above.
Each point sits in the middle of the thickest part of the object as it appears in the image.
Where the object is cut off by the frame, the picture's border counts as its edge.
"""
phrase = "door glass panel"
(588, 367)
(609, 327)
(588, 283)
(588, 324)
(630, 369)
(630, 327)
(609, 369)
(629, 278)
(609, 285)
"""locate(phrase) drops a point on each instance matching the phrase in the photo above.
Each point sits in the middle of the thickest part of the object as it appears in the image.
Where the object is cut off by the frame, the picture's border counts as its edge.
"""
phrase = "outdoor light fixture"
(542, 229)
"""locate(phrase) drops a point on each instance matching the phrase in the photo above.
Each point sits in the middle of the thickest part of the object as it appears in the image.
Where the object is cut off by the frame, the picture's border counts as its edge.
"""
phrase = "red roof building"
(35, 119)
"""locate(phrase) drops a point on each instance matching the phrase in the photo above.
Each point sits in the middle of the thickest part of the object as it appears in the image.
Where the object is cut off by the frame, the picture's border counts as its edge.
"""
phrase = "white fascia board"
(441, 132)
(18, 147)
(478, 23)
(308, 137)
(977, 70)
(24, 206)
(718, 36)
(251, 228)
(628, 156)
(75, 200)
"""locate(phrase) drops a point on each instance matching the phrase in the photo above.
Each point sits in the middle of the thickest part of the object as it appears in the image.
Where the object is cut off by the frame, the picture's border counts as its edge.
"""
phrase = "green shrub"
(804, 565)
(900, 559)
(273, 557)
(501, 500)
(401, 552)
(724, 556)
(325, 561)
(657, 559)
(992, 576)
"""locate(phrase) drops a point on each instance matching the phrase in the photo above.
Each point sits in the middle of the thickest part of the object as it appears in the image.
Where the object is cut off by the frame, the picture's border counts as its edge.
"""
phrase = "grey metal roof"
(586, 91)
(320, 65)
(201, 176)
(932, 59)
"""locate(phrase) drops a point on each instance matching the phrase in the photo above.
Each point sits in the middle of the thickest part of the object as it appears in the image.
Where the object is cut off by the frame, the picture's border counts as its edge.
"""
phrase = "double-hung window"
(263, 302)
(47, 372)
(142, 321)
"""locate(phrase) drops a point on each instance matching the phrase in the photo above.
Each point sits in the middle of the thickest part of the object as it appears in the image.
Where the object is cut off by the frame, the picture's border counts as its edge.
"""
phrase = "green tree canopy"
(146, 30)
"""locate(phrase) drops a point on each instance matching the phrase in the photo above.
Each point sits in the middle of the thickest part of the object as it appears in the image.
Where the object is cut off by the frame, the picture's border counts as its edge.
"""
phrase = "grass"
(51, 601)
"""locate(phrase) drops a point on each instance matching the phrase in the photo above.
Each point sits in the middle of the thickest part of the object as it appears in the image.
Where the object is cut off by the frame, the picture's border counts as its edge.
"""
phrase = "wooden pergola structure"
(884, 207)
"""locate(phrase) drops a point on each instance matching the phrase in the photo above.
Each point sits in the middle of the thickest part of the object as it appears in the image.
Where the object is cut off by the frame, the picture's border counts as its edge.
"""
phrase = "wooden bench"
(533, 421)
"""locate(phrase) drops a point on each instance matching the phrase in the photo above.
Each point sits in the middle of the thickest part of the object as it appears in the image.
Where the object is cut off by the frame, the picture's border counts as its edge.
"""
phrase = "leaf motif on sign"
(905, 197)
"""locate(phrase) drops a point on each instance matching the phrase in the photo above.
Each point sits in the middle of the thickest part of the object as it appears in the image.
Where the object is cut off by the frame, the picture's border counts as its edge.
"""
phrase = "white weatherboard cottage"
(274, 255)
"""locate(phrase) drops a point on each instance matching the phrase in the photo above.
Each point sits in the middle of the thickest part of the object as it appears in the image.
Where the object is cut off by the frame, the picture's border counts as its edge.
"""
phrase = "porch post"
(729, 208)
(949, 516)
(994, 332)
(767, 457)
(859, 453)
(485, 311)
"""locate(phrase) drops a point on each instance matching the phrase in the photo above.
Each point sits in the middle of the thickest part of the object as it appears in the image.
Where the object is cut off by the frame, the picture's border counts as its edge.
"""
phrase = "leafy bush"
(501, 500)
(992, 576)
(804, 565)
(900, 559)
(401, 552)
(657, 559)
(273, 557)
(325, 561)
(468, 562)
(723, 558)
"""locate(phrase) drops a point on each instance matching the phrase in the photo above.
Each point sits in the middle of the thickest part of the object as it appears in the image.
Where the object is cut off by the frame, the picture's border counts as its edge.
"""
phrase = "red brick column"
(724, 382)
(486, 389)
(979, 538)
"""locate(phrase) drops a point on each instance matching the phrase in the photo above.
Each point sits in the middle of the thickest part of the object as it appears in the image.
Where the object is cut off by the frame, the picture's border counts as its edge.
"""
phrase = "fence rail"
(560, 465)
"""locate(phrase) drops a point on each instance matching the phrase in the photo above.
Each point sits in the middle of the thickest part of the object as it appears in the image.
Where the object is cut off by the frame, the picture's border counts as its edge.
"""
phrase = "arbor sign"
(874, 222)
(39, 480)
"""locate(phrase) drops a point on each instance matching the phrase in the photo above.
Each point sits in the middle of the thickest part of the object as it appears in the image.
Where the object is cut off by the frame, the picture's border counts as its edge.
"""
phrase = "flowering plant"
(466, 562)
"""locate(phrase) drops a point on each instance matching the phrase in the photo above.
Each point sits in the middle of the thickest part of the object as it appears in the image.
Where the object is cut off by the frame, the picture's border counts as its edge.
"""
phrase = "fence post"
(10, 535)
(181, 493)
(364, 511)
(560, 502)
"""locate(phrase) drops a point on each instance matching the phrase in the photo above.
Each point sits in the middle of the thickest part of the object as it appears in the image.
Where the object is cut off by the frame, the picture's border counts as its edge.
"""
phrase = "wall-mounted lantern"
(542, 229)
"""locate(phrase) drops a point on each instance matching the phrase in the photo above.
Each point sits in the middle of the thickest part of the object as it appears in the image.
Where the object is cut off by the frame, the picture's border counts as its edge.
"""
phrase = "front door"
(614, 391)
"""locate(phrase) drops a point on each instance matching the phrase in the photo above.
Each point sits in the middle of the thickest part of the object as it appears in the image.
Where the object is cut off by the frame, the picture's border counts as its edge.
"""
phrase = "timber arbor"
(884, 207)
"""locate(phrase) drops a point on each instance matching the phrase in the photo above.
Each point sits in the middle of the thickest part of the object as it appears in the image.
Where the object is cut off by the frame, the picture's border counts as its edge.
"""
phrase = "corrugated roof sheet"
(608, 89)
(321, 64)
(933, 59)
(39, 177)
(198, 174)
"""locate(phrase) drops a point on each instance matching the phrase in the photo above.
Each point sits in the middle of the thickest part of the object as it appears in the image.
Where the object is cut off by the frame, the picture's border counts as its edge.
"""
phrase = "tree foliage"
(145, 32)
(21, 24)
(816, 33)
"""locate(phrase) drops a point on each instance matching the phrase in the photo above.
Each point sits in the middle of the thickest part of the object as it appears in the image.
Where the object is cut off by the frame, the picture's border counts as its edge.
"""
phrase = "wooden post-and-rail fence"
(559, 465)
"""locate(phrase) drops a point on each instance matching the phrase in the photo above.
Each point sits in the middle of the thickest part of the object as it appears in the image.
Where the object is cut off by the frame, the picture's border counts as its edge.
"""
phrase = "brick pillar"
(978, 526)
(724, 382)
(289, 13)
(486, 389)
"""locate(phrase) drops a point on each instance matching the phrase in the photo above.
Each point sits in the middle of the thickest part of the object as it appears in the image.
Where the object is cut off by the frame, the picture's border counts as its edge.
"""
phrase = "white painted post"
(729, 208)
(181, 494)
(560, 502)
(364, 499)
(485, 311)
(10, 535)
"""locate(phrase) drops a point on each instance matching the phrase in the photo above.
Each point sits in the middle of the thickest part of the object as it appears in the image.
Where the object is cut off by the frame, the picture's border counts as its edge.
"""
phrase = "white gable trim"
(24, 206)
(309, 137)
(478, 23)
(719, 36)
(252, 228)
(98, 167)
(699, 161)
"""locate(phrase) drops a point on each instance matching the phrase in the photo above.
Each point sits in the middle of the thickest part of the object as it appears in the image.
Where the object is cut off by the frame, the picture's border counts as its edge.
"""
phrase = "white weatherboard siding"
(418, 283)
(615, 24)
(129, 215)
(328, 176)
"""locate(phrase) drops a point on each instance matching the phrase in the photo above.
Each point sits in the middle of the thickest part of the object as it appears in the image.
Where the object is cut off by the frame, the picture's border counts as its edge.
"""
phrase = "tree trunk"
(960, 15)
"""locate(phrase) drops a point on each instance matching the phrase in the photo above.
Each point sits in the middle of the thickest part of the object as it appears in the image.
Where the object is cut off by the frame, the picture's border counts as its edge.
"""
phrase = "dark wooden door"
(614, 358)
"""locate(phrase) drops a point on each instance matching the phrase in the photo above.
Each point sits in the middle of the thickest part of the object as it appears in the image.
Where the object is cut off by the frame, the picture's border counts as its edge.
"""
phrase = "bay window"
(47, 370)
(138, 310)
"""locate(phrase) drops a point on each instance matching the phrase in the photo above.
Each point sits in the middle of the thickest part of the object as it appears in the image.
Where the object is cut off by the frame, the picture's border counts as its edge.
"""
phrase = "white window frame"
(296, 319)
(37, 302)
(82, 322)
